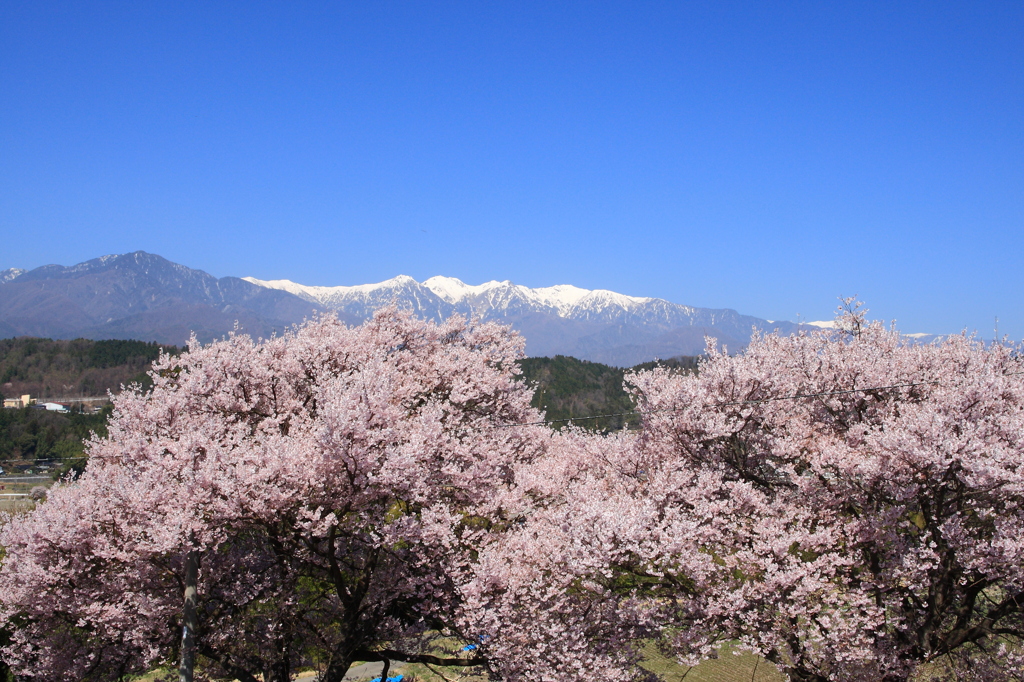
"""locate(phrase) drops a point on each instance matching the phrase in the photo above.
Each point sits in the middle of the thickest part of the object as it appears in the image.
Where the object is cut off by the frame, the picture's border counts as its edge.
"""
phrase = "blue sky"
(766, 157)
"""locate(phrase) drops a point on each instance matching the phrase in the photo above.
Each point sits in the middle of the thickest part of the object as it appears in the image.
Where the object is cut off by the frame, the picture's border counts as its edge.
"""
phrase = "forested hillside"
(568, 388)
(45, 368)
(32, 438)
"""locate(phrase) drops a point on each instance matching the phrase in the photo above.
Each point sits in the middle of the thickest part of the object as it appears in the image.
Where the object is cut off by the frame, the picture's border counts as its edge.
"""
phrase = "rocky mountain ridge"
(138, 296)
(598, 325)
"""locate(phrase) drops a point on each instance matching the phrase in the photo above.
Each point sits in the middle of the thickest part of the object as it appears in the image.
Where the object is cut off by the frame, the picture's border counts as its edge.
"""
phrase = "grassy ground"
(22, 485)
(727, 668)
(16, 505)
(731, 665)
(11, 485)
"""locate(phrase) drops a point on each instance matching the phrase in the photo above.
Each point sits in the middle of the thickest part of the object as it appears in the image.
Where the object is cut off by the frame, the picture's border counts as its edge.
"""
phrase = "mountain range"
(598, 325)
(144, 296)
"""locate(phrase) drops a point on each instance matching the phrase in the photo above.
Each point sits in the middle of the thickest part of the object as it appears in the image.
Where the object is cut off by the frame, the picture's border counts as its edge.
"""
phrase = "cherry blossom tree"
(844, 502)
(328, 489)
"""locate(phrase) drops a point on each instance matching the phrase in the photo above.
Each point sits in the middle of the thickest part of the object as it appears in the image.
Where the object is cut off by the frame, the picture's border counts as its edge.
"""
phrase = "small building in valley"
(18, 403)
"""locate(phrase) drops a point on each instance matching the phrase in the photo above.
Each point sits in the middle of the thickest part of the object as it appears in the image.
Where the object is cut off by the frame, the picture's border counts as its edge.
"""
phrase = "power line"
(34, 462)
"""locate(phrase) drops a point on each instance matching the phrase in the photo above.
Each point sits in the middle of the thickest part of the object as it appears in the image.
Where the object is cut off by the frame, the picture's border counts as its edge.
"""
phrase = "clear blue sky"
(766, 157)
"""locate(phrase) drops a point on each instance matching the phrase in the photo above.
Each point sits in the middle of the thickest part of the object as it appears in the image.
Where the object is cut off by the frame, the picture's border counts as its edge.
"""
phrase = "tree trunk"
(340, 662)
(280, 669)
(188, 630)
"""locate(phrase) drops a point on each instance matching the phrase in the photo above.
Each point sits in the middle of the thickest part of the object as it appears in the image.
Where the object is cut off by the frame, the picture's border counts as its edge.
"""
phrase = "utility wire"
(33, 462)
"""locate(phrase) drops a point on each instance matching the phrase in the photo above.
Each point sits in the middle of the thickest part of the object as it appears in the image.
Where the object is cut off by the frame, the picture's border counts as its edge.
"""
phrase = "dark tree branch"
(240, 674)
(390, 654)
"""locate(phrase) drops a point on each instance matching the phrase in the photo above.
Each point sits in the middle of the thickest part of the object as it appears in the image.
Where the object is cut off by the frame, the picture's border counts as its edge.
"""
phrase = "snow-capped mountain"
(439, 297)
(595, 324)
(362, 300)
(143, 296)
(10, 273)
(561, 297)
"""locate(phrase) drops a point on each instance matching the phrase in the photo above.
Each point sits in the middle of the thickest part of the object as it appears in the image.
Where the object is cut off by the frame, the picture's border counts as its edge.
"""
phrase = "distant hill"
(44, 441)
(568, 388)
(57, 369)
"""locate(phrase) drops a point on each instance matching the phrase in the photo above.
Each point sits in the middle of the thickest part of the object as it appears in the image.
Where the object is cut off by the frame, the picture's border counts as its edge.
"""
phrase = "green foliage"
(567, 388)
(114, 353)
(28, 435)
(6, 675)
(683, 363)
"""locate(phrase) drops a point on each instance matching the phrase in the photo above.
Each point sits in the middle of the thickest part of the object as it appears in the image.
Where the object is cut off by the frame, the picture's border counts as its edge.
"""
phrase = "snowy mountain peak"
(10, 274)
(561, 297)
(300, 290)
(605, 298)
(322, 294)
(454, 290)
(565, 300)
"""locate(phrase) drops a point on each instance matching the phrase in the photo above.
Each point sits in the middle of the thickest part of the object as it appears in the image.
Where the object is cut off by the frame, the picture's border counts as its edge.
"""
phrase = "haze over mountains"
(144, 296)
